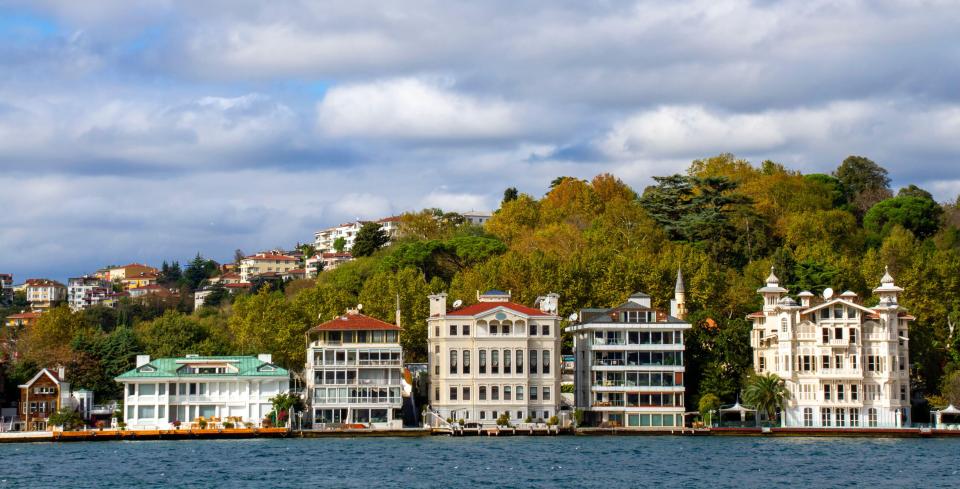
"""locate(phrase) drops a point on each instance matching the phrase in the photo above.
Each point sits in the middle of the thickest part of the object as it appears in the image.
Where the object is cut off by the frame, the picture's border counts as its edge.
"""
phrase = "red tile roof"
(238, 285)
(390, 219)
(758, 314)
(24, 315)
(342, 254)
(482, 307)
(270, 256)
(355, 322)
(43, 282)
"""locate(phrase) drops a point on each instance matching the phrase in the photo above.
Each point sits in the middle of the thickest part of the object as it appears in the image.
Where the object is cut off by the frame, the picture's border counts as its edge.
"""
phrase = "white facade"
(354, 373)
(493, 358)
(324, 239)
(84, 292)
(44, 293)
(164, 390)
(630, 364)
(477, 218)
(845, 365)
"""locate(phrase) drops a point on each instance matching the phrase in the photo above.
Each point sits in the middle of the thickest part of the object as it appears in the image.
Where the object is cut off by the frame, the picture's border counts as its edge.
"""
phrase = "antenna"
(827, 293)
(573, 317)
(457, 303)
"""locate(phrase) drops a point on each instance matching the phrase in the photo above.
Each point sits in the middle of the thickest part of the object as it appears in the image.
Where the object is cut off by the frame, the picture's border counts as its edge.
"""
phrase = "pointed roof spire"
(679, 288)
(772, 279)
(887, 278)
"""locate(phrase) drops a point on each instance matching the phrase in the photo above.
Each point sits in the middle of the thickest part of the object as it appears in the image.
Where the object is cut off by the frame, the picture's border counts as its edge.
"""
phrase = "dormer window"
(147, 368)
(634, 316)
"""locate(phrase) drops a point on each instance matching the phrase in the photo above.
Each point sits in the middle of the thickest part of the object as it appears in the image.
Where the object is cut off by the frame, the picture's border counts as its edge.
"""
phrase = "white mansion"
(494, 358)
(845, 365)
(630, 365)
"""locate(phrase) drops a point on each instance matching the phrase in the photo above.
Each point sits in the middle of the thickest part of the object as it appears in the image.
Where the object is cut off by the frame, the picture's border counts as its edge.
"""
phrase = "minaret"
(678, 306)
(398, 310)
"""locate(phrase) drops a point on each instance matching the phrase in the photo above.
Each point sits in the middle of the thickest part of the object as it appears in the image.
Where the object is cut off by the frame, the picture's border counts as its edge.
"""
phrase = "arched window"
(783, 325)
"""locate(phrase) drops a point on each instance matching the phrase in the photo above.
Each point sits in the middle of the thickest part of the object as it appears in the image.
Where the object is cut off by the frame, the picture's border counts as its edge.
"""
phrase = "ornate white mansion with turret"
(845, 365)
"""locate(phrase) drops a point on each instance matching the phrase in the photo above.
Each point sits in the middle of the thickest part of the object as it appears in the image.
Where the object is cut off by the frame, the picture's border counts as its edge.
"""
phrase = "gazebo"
(953, 414)
(737, 408)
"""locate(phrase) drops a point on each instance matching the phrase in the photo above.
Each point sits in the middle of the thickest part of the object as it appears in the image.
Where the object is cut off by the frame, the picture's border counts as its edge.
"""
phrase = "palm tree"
(766, 393)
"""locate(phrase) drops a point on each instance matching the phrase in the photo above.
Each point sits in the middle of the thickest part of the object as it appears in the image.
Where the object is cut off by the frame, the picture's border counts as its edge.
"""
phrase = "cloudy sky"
(138, 134)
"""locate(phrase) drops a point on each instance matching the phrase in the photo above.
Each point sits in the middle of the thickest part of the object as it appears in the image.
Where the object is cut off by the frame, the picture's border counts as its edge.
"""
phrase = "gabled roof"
(270, 256)
(355, 322)
(44, 371)
(24, 315)
(837, 301)
(484, 307)
(246, 366)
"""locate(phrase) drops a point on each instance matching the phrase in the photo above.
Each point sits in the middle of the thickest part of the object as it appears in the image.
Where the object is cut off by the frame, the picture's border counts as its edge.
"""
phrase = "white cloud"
(408, 108)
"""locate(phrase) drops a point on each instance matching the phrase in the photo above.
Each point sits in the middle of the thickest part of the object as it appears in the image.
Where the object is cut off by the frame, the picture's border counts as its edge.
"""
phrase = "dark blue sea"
(563, 462)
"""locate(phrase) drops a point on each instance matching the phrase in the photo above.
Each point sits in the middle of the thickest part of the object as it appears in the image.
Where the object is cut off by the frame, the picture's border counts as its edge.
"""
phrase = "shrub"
(101, 424)
(228, 425)
(202, 423)
(553, 421)
(461, 421)
(567, 388)
(503, 420)
(66, 418)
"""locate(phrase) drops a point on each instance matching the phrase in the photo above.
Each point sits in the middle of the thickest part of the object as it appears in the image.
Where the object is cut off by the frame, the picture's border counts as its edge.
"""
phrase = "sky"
(177, 127)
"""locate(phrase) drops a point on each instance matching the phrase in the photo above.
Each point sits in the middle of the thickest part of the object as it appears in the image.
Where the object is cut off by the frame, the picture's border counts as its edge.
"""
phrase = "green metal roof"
(247, 366)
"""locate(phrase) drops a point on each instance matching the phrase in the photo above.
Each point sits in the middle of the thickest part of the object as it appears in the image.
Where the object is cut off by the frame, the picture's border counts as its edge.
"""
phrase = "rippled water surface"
(570, 462)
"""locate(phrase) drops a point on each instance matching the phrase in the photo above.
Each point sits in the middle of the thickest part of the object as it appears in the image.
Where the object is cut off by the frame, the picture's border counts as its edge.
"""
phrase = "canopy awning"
(949, 410)
(737, 408)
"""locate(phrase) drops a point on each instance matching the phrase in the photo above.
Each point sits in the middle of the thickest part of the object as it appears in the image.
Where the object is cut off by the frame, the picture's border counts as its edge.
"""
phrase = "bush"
(568, 388)
(528, 419)
(66, 418)
(202, 423)
(228, 425)
(101, 424)
(553, 421)
(504, 420)
(461, 421)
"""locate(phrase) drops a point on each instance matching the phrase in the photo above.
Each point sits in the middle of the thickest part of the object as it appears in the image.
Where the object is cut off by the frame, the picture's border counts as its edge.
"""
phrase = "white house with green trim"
(163, 390)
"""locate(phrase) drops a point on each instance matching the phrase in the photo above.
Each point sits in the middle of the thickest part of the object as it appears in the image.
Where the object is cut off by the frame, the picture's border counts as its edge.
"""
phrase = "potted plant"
(101, 424)
(228, 425)
(176, 424)
(202, 423)
(461, 421)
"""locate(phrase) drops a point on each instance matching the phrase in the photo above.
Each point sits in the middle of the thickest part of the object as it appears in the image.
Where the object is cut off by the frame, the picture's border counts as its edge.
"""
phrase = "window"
(903, 364)
(853, 361)
(533, 393)
(507, 393)
(193, 389)
(546, 393)
(546, 362)
(840, 417)
(494, 393)
(825, 361)
(903, 392)
(182, 389)
(436, 394)
(493, 329)
(148, 390)
(807, 363)
(853, 340)
(762, 363)
(840, 392)
(783, 325)
(453, 361)
(453, 330)
(533, 361)
(483, 415)
(808, 416)
(854, 418)
(466, 330)
(436, 331)
(482, 391)
(146, 412)
(872, 417)
(826, 392)
(131, 390)
(495, 361)
(519, 361)
(163, 389)
(838, 333)
(519, 393)
(466, 361)
(825, 416)
(826, 335)
(873, 363)
(545, 330)
(533, 329)
(854, 394)
(453, 393)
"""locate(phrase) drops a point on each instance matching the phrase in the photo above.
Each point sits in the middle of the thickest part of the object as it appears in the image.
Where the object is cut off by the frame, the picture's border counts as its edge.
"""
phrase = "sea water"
(561, 462)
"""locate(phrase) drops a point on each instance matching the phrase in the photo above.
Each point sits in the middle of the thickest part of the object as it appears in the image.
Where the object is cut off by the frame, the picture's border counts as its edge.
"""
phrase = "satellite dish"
(573, 317)
(359, 307)
(827, 293)
(457, 303)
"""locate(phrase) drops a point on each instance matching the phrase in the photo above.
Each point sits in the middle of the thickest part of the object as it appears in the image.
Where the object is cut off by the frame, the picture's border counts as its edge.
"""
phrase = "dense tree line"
(724, 222)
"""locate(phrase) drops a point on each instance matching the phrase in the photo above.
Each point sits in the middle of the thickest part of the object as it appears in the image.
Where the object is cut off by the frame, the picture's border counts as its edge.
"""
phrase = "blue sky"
(176, 127)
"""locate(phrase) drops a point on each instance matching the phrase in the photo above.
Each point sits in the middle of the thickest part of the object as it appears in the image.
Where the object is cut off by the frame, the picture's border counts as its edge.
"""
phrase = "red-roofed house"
(354, 372)
(261, 263)
(18, 322)
(116, 274)
(494, 358)
(42, 293)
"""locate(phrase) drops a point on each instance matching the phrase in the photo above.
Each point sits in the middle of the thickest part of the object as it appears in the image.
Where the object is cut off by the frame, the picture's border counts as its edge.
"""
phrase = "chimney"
(142, 360)
(62, 372)
(265, 358)
(438, 304)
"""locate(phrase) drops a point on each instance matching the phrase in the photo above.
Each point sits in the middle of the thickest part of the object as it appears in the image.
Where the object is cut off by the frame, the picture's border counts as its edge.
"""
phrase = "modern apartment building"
(163, 390)
(264, 263)
(42, 293)
(86, 291)
(324, 239)
(494, 358)
(845, 364)
(630, 363)
(6, 289)
(354, 372)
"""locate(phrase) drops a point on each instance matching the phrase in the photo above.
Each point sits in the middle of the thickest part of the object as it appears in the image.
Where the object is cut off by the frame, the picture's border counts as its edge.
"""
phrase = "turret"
(887, 291)
(772, 292)
(678, 306)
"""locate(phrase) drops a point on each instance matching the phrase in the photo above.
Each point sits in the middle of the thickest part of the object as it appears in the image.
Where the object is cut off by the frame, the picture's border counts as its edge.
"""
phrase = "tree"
(266, 322)
(170, 273)
(238, 256)
(172, 335)
(282, 404)
(67, 418)
(707, 405)
(509, 194)
(766, 393)
(865, 183)
(198, 270)
(370, 238)
(917, 214)
(914, 191)
(339, 244)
